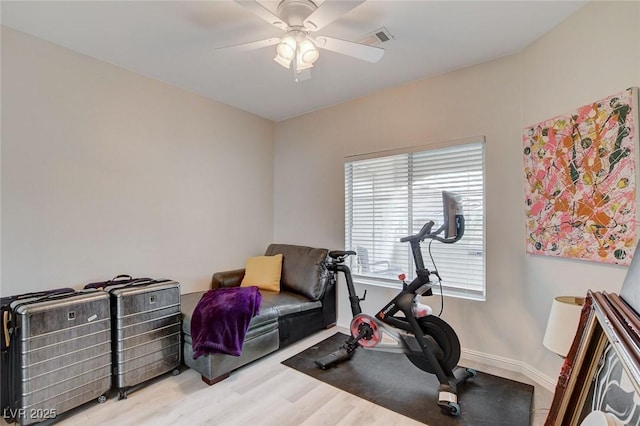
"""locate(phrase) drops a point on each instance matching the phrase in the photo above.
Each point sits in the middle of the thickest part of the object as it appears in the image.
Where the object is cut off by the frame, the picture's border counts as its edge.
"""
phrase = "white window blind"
(393, 196)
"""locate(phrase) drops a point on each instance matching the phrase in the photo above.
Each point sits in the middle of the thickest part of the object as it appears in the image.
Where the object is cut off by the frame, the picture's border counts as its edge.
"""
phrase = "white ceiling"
(175, 41)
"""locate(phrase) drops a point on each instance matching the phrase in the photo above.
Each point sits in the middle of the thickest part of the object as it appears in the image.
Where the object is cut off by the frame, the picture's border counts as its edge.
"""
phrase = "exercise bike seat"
(336, 254)
(420, 235)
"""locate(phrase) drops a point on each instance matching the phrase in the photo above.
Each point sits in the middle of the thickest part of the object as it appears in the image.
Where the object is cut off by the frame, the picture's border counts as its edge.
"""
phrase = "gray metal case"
(61, 354)
(146, 332)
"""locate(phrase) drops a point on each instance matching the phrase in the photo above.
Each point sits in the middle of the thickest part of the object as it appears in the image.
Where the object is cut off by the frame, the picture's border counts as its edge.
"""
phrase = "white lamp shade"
(600, 418)
(562, 324)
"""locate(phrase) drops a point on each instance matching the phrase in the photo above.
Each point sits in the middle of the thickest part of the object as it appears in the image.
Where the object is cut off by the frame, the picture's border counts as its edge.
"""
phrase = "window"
(392, 196)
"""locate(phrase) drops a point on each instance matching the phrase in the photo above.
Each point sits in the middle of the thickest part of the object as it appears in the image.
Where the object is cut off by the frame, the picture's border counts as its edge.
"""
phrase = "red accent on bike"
(361, 319)
(402, 277)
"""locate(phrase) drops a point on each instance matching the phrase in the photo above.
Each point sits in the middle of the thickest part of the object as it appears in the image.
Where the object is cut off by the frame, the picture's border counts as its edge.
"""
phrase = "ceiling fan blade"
(361, 51)
(244, 47)
(263, 13)
(328, 12)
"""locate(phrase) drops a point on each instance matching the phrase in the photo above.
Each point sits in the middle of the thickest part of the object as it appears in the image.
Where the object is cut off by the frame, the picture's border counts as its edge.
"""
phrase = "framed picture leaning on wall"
(602, 370)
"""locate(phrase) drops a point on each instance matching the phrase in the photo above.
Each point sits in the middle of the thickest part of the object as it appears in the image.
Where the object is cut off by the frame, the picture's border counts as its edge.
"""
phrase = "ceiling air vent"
(378, 37)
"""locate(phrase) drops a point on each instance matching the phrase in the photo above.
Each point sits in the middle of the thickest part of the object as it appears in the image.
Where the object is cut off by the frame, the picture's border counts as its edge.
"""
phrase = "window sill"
(377, 282)
(395, 285)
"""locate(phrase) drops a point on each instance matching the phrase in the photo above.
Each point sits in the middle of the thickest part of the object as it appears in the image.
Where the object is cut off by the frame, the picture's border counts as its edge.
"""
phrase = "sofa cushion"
(303, 269)
(263, 272)
(189, 301)
(259, 328)
(286, 303)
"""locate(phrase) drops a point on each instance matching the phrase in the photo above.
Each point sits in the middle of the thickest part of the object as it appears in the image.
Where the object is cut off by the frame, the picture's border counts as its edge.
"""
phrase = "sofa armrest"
(227, 279)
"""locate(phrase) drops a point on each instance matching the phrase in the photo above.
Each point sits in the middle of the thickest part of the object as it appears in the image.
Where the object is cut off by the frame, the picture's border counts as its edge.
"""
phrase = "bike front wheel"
(445, 337)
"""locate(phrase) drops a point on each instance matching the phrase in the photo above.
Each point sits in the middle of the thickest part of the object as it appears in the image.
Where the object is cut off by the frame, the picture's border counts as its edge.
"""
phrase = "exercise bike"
(427, 341)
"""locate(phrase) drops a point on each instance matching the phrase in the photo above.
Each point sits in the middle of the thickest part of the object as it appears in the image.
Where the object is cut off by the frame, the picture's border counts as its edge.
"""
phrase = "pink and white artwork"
(580, 182)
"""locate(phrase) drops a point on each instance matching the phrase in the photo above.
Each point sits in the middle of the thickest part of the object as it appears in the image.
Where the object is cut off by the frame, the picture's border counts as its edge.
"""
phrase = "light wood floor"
(262, 393)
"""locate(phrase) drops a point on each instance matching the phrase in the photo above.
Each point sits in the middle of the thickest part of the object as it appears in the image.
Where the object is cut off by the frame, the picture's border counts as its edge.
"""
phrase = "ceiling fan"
(297, 49)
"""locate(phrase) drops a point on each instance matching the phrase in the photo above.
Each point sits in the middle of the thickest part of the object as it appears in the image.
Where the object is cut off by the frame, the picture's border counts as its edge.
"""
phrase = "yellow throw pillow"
(264, 272)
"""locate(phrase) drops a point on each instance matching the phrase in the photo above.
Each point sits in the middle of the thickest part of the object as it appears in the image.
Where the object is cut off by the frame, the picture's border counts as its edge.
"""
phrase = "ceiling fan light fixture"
(301, 66)
(287, 47)
(308, 53)
(286, 51)
(297, 50)
(282, 61)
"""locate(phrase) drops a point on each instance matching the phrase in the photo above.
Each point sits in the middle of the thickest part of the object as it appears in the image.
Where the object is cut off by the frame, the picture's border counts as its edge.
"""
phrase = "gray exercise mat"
(391, 381)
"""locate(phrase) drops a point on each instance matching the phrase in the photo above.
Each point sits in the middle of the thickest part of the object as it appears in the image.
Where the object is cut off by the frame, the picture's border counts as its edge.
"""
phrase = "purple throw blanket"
(221, 319)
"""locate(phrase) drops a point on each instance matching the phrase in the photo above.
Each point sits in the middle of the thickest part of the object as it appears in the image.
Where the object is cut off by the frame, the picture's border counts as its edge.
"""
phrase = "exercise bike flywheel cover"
(447, 340)
(364, 320)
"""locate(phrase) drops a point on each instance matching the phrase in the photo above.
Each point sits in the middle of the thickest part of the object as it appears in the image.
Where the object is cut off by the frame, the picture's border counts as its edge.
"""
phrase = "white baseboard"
(510, 365)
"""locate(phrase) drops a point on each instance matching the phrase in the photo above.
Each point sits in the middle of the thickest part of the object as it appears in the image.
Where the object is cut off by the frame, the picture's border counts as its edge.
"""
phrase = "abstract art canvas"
(580, 181)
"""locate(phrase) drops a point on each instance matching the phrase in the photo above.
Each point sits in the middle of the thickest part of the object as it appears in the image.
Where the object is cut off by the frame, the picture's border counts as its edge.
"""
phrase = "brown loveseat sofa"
(305, 304)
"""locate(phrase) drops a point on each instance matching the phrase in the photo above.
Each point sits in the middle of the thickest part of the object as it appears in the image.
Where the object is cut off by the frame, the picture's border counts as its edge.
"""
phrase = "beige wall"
(593, 54)
(107, 172)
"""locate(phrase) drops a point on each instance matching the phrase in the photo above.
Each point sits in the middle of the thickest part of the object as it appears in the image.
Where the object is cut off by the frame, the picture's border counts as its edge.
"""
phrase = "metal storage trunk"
(146, 331)
(60, 354)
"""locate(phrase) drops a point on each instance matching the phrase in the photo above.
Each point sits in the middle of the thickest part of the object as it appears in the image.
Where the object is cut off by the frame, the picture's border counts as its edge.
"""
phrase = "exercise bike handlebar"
(425, 232)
